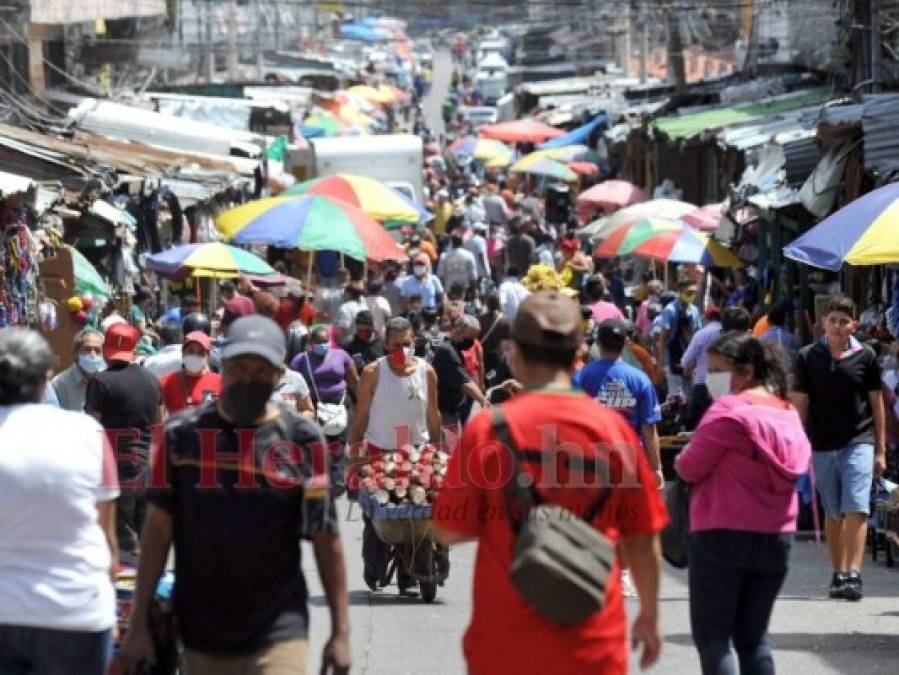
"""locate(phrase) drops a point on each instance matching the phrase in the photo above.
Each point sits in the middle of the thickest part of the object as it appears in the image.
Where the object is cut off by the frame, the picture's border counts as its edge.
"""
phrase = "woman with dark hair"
(743, 461)
(57, 523)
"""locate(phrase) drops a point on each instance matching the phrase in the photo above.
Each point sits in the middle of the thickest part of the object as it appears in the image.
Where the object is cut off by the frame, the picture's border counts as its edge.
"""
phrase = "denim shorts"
(843, 479)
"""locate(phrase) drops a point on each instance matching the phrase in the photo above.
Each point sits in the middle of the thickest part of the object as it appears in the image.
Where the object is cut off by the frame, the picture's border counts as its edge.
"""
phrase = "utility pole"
(644, 41)
(676, 68)
(210, 47)
(875, 46)
(232, 40)
(751, 40)
(258, 41)
(625, 52)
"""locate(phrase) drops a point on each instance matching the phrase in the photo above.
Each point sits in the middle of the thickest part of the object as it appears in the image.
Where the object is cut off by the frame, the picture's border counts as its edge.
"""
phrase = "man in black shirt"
(237, 484)
(125, 398)
(365, 347)
(454, 384)
(837, 390)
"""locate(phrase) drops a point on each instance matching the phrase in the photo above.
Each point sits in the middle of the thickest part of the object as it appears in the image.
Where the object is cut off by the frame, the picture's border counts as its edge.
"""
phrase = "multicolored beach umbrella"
(311, 223)
(687, 246)
(213, 259)
(864, 232)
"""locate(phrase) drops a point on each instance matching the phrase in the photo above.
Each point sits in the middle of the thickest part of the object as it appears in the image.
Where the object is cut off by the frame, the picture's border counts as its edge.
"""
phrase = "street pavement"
(441, 75)
(810, 633)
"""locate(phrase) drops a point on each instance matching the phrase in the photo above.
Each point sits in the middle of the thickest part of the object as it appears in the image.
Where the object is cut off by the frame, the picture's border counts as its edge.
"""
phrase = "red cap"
(120, 341)
(200, 338)
(569, 245)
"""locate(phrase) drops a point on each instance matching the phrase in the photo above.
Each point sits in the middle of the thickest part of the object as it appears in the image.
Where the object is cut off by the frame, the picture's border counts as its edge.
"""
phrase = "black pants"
(700, 401)
(734, 580)
(131, 504)
(376, 556)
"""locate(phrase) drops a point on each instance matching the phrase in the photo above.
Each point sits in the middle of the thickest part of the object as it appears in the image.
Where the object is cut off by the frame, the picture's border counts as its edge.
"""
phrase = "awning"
(578, 135)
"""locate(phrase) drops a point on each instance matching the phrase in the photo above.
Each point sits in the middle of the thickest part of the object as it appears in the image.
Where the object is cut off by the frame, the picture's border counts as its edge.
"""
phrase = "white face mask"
(193, 363)
(420, 270)
(718, 384)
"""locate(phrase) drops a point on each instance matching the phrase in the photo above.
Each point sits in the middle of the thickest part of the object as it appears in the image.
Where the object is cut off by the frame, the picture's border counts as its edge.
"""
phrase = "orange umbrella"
(584, 168)
(520, 131)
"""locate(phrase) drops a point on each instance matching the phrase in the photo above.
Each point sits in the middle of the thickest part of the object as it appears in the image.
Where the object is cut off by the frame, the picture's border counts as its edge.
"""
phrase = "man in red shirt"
(550, 421)
(194, 384)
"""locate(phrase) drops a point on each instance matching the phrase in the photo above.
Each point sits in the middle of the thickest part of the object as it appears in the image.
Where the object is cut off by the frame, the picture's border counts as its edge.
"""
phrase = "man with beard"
(235, 513)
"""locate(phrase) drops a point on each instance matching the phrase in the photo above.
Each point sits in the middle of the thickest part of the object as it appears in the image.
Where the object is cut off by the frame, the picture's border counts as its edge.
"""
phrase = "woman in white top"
(57, 523)
(396, 407)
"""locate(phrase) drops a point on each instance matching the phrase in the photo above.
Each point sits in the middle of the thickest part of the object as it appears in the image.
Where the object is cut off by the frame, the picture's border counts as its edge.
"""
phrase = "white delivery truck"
(395, 159)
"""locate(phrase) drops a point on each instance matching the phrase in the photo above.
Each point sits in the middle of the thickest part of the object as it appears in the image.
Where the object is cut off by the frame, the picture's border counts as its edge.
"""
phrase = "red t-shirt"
(472, 359)
(180, 390)
(506, 635)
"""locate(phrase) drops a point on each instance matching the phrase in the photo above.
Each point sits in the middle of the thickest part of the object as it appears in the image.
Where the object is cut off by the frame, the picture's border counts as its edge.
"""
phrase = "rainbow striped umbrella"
(479, 148)
(629, 236)
(372, 197)
(213, 259)
(311, 223)
(543, 166)
(669, 209)
(687, 246)
(864, 232)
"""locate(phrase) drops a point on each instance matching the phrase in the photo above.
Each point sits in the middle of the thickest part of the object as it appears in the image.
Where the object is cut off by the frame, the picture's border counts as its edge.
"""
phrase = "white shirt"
(457, 267)
(399, 407)
(380, 311)
(511, 293)
(477, 246)
(54, 558)
(346, 315)
(164, 362)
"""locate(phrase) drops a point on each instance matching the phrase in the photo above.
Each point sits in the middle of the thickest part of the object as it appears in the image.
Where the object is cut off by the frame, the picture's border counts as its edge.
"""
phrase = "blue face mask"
(320, 348)
(91, 363)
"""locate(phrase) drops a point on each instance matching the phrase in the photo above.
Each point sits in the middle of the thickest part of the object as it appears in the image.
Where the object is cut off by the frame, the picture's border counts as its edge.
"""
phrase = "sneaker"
(853, 588)
(627, 585)
(838, 586)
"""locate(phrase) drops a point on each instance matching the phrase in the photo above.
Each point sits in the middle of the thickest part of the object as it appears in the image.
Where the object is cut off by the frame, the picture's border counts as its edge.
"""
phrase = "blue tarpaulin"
(578, 135)
(358, 31)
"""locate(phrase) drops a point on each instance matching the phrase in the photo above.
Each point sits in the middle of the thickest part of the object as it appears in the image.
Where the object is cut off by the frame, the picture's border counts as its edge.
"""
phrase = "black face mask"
(464, 345)
(245, 402)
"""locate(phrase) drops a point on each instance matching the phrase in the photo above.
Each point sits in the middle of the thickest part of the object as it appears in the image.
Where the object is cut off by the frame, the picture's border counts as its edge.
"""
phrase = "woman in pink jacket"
(743, 461)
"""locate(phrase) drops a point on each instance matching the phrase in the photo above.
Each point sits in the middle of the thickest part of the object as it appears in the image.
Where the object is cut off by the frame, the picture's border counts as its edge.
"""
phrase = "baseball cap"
(548, 320)
(239, 305)
(255, 335)
(120, 341)
(200, 338)
(569, 245)
(612, 334)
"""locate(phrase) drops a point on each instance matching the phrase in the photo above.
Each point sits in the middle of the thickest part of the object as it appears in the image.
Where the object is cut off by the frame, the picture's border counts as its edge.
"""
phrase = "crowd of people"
(498, 302)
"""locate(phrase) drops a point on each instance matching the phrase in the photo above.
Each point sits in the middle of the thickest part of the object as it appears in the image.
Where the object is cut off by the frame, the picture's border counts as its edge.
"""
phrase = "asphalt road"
(442, 73)
(811, 634)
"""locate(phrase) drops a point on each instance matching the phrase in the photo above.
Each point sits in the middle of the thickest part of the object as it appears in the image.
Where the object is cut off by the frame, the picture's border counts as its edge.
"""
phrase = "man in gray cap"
(237, 483)
(578, 454)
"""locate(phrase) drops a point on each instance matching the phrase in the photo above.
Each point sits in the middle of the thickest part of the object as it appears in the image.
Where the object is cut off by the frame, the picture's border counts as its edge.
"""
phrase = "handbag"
(332, 417)
(560, 563)
(676, 536)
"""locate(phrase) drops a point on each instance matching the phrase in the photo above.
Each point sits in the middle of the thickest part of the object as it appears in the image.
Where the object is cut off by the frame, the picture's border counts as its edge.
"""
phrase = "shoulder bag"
(332, 417)
(676, 536)
(561, 563)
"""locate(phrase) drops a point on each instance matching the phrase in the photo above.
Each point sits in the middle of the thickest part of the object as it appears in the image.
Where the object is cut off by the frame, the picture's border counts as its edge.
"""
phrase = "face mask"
(419, 270)
(401, 355)
(194, 363)
(687, 299)
(91, 364)
(245, 402)
(365, 334)
(718, 384)
(464, 345)
(320, 348)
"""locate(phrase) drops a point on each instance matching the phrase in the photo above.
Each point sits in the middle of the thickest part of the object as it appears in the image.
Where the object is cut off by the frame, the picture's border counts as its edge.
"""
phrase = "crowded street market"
(463, 340)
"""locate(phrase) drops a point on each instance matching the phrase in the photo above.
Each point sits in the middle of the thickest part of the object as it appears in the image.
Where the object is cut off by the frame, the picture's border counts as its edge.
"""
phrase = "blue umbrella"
(576, 136)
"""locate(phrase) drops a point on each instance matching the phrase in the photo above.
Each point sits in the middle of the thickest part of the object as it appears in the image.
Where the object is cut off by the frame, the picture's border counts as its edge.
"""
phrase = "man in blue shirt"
(678, 322)
(423, 284)
(624, 388)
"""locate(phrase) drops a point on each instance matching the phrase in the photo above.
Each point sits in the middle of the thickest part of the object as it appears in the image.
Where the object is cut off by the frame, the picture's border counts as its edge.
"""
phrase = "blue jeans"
(734, 580)
(28, 650)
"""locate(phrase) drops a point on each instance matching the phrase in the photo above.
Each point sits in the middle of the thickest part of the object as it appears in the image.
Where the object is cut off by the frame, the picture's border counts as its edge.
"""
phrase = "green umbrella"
(87, 279)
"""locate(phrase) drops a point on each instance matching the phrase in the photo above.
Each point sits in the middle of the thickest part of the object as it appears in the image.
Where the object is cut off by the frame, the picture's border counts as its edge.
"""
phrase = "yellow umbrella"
(381, 96)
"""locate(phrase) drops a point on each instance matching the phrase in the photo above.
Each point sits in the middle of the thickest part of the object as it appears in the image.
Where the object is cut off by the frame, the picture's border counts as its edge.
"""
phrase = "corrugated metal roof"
(802, 156)
(881, 142)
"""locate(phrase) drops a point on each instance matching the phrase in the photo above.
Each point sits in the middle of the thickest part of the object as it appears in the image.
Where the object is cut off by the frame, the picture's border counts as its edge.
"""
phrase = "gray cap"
(255, 335)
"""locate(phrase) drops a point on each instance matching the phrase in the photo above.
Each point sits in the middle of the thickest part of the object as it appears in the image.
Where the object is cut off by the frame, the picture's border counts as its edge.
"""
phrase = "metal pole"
(259, 43)
(875, 46)
(232, 40)
(644, 42)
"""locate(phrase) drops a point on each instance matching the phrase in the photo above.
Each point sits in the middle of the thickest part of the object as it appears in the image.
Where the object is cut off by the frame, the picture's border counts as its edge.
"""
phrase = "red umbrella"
(520, 131)
(611, 195)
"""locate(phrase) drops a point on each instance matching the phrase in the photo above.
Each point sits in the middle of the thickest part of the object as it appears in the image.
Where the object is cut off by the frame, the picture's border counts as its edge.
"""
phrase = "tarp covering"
(579, 135)
(693, 124)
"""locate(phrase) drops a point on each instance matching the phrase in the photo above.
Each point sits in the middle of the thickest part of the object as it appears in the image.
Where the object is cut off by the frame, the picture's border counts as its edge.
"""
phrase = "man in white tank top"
(396, 406)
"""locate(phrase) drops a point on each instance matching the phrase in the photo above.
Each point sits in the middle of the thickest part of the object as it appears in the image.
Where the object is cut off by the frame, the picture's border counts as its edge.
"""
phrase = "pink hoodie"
(744, 461)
